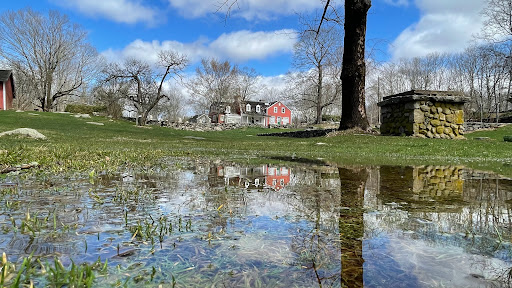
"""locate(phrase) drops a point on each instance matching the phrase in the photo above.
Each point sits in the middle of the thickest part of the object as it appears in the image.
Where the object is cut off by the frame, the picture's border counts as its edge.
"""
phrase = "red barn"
(279, 114)
(6, 89)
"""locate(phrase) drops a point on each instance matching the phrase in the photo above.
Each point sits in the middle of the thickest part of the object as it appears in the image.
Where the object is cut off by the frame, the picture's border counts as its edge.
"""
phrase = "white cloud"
(248, 9)
(246, 45)
(445, 26)
(238, 47)
(122, 11)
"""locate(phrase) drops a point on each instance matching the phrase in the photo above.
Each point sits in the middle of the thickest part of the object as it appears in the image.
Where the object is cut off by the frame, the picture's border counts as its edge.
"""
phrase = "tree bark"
(354, 67)
(319, 96)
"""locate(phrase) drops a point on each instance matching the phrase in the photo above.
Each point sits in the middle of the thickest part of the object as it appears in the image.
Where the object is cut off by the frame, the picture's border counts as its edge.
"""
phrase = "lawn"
(75, 145)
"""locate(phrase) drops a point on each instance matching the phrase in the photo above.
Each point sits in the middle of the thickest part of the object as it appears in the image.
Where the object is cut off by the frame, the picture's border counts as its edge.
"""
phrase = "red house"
(279, 114)
(277, 177)
(7, 93)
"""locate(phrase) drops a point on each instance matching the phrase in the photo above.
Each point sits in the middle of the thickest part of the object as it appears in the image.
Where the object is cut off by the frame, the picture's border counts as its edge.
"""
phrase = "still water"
(215, 224)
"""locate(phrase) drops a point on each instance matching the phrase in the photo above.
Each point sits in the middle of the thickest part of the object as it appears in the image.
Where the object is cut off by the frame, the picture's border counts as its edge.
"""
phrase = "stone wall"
(475, 126)
(426, 114)
(203, 127)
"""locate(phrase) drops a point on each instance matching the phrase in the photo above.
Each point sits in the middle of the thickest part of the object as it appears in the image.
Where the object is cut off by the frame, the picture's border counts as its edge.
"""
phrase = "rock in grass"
(507, 138)
(95, 123)
(25, 132)
(82, 116)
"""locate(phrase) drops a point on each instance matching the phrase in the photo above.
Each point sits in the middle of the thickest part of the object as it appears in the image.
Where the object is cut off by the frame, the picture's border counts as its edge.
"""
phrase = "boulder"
(32, 133)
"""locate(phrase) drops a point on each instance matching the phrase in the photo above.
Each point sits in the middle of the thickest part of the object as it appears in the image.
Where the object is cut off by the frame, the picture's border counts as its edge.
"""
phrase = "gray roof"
(4, 75)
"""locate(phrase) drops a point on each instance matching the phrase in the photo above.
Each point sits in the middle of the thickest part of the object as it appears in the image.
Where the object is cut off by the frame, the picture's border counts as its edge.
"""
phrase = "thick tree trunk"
(354, 68)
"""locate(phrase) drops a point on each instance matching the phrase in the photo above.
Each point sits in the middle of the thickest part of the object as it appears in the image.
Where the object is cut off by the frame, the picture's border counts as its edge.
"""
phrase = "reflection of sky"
(413, 261)
(421, 254)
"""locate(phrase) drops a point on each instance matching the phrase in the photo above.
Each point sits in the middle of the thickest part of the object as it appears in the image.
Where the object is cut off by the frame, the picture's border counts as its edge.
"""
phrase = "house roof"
(5, 74)
(275, 102)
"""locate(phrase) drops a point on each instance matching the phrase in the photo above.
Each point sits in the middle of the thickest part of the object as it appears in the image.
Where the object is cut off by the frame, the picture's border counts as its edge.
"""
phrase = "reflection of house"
(202, 118)
(251, 112)
(277, 178)
(259, 177)
(7, 93)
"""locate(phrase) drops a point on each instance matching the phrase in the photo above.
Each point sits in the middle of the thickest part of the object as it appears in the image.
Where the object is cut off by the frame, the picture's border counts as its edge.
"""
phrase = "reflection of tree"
(351, 226)
(330, 248)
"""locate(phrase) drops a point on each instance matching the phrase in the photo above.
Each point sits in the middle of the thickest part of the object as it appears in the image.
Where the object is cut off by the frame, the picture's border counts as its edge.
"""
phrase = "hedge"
(84, 109)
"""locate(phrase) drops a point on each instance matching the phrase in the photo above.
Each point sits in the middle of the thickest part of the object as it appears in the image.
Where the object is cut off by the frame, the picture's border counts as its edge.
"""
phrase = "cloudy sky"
(259, 33)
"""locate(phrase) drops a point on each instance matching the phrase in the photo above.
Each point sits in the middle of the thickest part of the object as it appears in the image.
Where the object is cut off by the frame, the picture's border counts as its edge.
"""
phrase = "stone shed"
(424, 113)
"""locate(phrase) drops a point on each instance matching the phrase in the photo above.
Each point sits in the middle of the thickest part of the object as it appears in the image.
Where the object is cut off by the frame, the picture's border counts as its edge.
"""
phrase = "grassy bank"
(74, 144)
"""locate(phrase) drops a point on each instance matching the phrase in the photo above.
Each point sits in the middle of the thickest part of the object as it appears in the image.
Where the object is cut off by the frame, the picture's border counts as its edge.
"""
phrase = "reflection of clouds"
(430, 265)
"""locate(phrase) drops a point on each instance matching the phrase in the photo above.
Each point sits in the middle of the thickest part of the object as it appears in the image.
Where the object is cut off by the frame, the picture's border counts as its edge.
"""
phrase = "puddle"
(200, 224)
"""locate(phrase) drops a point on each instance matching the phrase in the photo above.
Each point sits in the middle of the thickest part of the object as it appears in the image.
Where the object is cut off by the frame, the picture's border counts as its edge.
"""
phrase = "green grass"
(74, 145)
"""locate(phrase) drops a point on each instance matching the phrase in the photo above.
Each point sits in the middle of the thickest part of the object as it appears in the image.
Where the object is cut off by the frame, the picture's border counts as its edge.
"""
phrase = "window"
(275, 109)
(281, 182)
(221, 118)
(283, 110)
(228, 109)
(258, 108)
(248, 107)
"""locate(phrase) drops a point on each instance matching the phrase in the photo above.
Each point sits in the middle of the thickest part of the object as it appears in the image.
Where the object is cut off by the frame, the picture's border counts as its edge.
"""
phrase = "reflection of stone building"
(457, 200)
(437, 181)
(443, 184)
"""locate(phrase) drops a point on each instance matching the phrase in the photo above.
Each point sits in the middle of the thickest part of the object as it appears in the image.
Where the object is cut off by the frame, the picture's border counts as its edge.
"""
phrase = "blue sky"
(259, 33)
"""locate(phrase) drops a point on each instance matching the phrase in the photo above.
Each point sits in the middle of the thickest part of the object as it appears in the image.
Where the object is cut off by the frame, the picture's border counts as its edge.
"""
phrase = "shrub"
(84, 109)
(331, 118)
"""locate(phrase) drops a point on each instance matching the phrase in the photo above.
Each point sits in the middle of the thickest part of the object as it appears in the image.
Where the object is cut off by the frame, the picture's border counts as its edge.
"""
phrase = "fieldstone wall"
(475, 126)
(204, 127)
(424, 113)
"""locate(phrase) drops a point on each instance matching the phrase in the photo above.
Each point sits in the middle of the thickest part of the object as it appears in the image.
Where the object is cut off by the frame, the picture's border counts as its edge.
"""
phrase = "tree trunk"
(319, 96)
(48, 92)
(354, 68)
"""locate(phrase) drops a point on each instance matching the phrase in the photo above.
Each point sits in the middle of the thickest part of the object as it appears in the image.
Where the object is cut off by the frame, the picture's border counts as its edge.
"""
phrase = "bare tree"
(315, 55)
(108, 94)
(51, 54)
(141, 84)
(214, 82)
(498, 29)
(498, 21)
(246, 83)
(171, 108)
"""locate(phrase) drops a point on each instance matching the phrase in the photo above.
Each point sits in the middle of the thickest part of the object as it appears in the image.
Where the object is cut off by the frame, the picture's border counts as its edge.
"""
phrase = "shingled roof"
(4, 75)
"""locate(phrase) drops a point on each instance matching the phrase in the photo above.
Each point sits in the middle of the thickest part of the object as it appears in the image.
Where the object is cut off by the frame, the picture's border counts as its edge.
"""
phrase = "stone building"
(424, 113)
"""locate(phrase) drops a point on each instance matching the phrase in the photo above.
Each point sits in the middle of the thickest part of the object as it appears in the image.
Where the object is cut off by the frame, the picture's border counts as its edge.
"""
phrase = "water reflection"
(216, 224)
